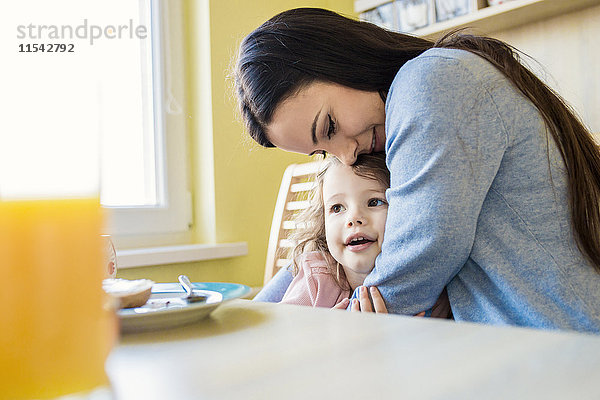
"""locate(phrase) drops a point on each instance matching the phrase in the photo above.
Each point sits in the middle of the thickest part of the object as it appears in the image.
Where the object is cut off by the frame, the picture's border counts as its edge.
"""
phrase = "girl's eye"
(336, 208)
(331, 129)
(376, 202)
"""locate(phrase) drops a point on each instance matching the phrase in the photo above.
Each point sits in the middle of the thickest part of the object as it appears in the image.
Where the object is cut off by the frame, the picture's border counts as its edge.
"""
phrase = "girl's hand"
(342, 305)
(364, 302)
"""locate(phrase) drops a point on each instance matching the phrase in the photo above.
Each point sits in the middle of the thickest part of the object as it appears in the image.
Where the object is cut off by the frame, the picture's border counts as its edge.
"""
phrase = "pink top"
(313, 285)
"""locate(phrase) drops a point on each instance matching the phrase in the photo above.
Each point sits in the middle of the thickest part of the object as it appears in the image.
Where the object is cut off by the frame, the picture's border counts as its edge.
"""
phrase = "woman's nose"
(346, 152)
(348, 158)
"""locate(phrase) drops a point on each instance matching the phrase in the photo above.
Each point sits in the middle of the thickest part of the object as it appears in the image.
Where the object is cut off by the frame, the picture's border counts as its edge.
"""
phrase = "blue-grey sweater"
(478, 203)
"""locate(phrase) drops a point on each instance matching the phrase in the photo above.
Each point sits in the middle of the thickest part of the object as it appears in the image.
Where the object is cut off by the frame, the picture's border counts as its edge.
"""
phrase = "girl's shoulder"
(314, 285)
(312, 262)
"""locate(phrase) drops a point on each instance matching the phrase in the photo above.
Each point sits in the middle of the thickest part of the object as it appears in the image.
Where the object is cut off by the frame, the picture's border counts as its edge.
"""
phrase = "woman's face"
(326, 117)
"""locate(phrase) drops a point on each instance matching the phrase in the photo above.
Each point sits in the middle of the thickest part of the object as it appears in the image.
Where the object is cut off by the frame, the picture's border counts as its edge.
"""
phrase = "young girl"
(341, 235)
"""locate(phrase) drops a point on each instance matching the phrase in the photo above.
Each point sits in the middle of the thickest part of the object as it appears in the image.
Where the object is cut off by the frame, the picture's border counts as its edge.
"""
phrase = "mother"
(495, 184)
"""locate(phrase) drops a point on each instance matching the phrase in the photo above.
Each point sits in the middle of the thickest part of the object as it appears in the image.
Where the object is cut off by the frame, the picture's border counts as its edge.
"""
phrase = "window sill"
(132, 258)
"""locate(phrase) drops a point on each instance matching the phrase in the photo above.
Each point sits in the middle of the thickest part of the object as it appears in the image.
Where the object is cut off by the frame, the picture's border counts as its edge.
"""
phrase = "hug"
(494, 183)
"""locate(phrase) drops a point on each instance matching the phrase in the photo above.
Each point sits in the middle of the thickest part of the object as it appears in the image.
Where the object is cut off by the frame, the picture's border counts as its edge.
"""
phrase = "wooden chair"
(297, 181)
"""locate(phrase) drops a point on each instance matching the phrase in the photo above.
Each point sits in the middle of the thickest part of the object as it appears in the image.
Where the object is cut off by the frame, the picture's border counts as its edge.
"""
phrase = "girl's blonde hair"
(309, 234)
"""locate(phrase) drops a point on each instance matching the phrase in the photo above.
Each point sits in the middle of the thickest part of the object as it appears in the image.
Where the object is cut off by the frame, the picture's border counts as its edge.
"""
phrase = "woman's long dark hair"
(301, 46)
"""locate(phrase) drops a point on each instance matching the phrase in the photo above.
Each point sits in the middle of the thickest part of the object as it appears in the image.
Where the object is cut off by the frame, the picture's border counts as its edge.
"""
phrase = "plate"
(166, 309)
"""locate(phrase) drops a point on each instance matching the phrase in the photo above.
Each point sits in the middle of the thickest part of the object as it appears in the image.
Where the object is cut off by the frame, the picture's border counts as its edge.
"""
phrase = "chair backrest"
(297, 181)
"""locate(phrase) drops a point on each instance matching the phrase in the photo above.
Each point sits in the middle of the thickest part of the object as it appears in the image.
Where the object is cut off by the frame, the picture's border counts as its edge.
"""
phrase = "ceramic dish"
(166, 307)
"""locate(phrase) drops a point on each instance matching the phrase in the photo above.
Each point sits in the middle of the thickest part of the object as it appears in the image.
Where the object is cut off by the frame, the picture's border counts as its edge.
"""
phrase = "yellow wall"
(246, 177)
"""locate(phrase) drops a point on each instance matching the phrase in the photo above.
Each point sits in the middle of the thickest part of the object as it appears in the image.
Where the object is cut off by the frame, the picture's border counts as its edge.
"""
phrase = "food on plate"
(128, 293)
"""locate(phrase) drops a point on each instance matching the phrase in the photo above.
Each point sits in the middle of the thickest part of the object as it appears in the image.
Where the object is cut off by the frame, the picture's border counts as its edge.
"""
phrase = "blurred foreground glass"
(57, 325)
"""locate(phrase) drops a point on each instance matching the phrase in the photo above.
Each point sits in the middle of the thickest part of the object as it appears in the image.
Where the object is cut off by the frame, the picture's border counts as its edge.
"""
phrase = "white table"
(247, 350)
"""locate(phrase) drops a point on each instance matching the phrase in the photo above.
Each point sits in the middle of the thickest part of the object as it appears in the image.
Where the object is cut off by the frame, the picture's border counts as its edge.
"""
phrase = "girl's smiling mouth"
(358, 242)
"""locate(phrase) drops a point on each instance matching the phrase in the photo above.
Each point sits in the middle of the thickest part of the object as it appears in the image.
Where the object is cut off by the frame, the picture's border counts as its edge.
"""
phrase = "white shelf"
(493, 19)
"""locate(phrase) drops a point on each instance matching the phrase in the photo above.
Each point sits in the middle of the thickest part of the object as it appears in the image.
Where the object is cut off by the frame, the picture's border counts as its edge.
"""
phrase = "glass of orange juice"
(57, 325)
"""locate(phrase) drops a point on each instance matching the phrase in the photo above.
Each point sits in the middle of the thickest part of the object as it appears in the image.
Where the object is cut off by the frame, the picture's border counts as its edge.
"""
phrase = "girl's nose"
(355, 221)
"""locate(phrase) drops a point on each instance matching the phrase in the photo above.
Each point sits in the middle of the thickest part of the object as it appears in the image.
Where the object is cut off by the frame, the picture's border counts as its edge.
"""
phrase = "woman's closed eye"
(377, 202)
(330, 133)
(331, 129)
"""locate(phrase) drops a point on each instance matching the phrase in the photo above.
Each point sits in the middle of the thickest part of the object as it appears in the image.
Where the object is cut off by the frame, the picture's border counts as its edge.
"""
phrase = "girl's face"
(355, 213)
(326, 117)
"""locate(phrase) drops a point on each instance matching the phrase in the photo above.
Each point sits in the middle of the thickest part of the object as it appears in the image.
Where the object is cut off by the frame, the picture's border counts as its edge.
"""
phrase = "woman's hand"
(441, 308)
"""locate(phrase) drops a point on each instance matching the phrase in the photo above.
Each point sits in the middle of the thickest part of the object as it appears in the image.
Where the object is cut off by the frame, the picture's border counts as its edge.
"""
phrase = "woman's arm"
(275, 289)
(445, 142)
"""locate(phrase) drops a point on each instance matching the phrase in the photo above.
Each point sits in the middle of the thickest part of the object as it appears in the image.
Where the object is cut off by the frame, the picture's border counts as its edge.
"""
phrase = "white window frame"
(170, 222)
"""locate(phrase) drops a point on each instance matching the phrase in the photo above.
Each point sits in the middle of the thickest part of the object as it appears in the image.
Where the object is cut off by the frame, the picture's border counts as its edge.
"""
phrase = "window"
(144, 180)
(85, 74)
(131, 127)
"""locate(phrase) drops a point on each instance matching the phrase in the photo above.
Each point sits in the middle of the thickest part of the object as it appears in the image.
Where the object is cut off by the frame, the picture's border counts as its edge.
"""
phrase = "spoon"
(187, 286)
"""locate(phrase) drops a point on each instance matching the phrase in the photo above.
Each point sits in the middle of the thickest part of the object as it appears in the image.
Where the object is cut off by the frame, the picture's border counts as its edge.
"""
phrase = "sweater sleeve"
(445, 141)
(275, 289)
